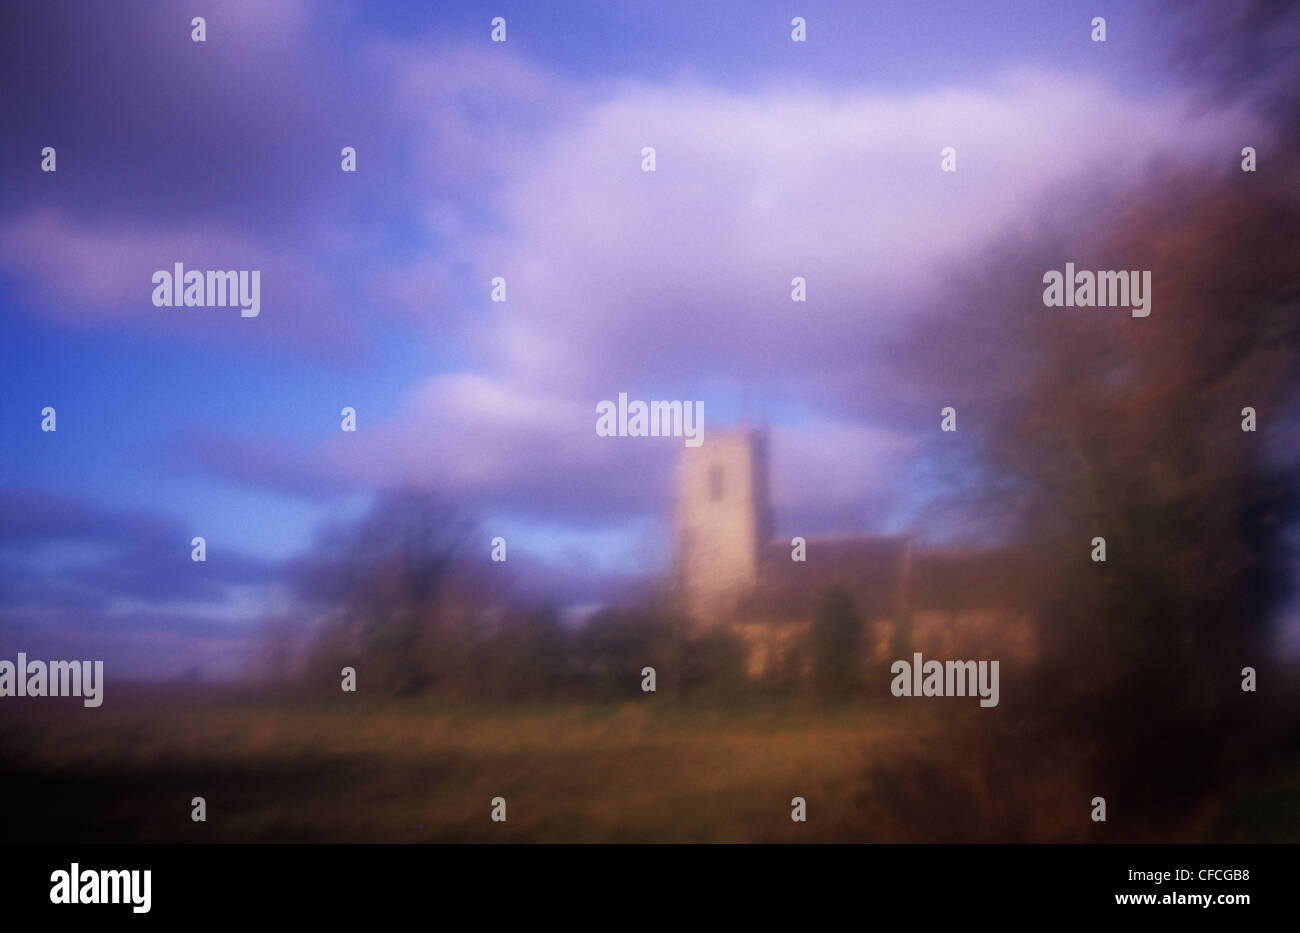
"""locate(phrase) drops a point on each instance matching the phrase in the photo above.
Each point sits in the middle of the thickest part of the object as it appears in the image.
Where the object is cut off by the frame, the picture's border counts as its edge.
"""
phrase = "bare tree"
(378, 584)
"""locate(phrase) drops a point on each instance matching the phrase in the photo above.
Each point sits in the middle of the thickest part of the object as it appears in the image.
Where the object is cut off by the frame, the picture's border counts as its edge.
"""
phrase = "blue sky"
(521, 160)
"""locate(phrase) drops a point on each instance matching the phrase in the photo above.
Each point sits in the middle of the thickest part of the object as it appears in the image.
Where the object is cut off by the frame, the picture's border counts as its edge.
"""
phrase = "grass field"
(424, 772)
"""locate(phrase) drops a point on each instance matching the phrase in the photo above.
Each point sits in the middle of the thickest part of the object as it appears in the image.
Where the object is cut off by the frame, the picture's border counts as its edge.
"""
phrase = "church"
(730, 573)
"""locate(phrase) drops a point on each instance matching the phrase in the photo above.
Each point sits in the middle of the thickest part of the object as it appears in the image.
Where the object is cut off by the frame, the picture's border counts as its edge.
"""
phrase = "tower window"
(715, 482)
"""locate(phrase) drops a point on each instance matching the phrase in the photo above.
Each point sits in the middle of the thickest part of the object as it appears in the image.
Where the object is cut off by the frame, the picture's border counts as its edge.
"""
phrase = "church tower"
(722, 521)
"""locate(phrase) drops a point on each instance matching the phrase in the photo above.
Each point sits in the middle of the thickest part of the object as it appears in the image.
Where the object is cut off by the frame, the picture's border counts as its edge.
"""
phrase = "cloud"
(81, 580)
(836, 476)
(57, 551)
(147, 644)
(483, 442)
(150, 126)
(103, 277)
(667, 276)
(477, 162)
(677, 284)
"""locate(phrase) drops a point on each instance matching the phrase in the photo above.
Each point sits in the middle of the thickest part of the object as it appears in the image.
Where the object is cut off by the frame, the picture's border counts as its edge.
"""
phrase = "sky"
(519, 159)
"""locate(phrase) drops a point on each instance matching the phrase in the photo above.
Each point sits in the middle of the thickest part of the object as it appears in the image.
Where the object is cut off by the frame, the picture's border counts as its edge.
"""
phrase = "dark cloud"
(71, 554)
(242, 129)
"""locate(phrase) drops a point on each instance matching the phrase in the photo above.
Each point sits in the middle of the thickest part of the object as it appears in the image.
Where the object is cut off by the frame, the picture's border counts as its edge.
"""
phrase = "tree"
(377, 582)
(1092, 422)
(837, 640)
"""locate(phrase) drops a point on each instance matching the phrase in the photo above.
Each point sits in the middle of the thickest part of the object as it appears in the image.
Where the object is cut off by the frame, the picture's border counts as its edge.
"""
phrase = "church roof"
(968, 578)
(872, 569)
(883, 574)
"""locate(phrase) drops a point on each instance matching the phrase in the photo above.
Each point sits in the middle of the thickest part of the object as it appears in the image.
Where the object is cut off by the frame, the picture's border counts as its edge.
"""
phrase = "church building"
(731, 573)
